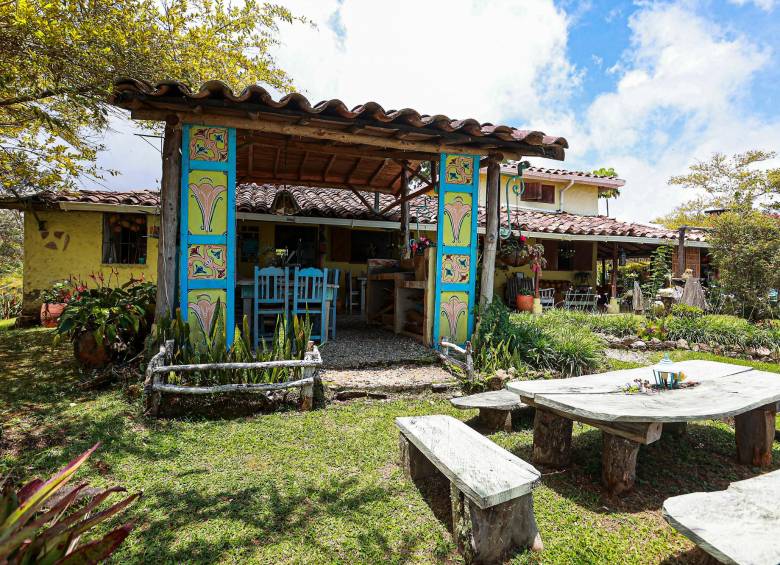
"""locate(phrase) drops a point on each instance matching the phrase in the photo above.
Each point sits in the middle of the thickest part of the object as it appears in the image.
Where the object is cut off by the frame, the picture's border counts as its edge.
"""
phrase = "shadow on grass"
(703, 459)
(262, 515)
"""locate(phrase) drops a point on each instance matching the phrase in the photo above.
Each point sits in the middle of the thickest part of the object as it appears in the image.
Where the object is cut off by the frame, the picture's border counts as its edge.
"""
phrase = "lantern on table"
(667, 374)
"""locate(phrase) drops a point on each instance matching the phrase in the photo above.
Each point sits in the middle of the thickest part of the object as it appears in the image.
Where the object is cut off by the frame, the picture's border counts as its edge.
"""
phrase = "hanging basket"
(515, 258)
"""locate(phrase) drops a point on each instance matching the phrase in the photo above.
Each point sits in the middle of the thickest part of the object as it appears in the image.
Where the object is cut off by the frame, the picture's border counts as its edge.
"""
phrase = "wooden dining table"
(629, 420)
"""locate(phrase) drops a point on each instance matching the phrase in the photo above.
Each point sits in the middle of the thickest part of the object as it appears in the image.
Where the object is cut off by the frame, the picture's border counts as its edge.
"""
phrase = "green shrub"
(685, 311)
(719, 329)
(619, 325)
(575, 351)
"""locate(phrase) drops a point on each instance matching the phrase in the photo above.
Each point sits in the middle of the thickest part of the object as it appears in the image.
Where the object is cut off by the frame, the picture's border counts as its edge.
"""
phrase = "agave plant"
(43, 521)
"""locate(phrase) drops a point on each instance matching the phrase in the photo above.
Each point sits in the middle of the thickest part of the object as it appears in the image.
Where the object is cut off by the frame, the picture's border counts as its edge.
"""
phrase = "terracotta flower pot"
(50, 313)
(525, 302)
(88, 353)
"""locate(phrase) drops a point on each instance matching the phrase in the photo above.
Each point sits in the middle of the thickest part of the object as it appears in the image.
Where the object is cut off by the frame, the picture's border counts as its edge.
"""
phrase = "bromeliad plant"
(43, 522)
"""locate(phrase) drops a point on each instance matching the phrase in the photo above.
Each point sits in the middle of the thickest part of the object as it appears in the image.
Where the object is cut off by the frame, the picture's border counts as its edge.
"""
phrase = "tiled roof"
(258, 99)
(344, 204)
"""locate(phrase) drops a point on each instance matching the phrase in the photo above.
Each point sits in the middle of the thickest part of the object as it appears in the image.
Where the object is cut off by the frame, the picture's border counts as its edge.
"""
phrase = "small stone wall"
(634, 342)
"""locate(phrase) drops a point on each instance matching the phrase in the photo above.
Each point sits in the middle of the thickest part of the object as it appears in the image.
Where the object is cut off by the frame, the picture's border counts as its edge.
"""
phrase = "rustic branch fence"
(158, 370)
(466, 365)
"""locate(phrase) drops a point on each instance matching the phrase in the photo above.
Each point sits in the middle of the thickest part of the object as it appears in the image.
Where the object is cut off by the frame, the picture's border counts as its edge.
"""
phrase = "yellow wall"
(579, 199)
(78, 253)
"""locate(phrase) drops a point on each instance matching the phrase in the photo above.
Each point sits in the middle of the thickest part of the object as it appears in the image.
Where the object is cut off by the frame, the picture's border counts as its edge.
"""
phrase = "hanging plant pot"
(88, 353)
(514, 258)
(50, 313)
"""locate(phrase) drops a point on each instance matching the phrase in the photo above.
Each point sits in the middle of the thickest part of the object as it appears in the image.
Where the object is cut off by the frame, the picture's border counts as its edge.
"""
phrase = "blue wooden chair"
(271, 299)
(333, 295)
(309, 295)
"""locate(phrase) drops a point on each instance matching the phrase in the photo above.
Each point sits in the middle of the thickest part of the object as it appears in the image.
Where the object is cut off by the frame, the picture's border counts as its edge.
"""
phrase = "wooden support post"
(491, 231)
(415, 464)
(755, 432)
(618, 463)
(681, 252)
(552, 439)
(613, 275)
(492, 535)
(170, 188)
(405, 236)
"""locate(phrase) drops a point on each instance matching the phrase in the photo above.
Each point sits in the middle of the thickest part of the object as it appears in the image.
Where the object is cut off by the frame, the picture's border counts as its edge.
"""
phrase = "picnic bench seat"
(738, 525)
(495, 408)
(490, 489)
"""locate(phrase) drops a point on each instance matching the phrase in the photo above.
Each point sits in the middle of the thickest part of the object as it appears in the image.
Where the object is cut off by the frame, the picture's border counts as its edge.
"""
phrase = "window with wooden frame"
(538, 192)
(124, 239)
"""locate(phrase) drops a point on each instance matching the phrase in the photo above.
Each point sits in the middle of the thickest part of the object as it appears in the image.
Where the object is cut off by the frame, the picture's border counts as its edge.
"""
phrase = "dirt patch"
(396, 378)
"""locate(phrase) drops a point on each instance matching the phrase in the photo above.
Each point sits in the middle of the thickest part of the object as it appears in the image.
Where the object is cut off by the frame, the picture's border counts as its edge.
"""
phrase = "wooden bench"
(495, 408)
(490, 490)
(738, 525)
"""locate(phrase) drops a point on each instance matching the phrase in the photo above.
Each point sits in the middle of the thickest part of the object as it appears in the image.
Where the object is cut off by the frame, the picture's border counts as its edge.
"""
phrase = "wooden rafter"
(303, 163)
(403, 199)
(326, 170)
(377, 172)
(365, 202)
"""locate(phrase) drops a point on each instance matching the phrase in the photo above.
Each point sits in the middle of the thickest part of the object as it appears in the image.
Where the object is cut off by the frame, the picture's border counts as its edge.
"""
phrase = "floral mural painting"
(207, 261)
(208, 191)
(208, 144)
(457, 209)
(455, 268)
(454, 311)
(202, 306)
(459, 169)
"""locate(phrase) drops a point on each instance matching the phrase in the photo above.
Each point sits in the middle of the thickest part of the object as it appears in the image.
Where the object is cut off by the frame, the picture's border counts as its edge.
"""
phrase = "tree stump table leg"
(618, 463)
(677, 429)
(491, 535)
(552, 439)
(496, 420)
(415, 464)
(755, 432)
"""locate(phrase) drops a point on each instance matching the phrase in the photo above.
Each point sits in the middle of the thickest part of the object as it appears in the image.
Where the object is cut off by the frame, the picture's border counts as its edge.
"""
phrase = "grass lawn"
(324, 486)
(7, 324)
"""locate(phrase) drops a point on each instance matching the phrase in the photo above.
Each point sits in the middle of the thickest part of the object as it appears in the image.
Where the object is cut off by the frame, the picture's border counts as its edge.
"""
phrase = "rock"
(704, 347)
(498, 380)
(655, 341)
(628, 341)
(440, 387)
(669, 345)
(350, 394)
(639, 344)
(682, 344)
(763, 352)
(377, 395)
(512, 371)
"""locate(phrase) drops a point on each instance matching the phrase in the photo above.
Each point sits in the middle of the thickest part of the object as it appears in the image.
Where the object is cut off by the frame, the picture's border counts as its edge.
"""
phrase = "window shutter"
(547, 194)
(583, 256)
(551, 254)
(532, 192)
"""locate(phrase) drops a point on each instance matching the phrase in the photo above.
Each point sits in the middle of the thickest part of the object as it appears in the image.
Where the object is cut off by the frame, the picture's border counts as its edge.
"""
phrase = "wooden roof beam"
(377, 172)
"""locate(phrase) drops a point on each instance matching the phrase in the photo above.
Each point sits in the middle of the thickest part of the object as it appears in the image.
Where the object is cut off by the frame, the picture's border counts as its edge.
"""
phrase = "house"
(76, 234)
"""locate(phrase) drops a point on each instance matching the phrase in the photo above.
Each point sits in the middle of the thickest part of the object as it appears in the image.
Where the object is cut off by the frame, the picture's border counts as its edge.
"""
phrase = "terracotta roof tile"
(344, 204)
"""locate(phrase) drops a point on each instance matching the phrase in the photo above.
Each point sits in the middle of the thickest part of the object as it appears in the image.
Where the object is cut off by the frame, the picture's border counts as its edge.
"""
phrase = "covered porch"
(216, 140)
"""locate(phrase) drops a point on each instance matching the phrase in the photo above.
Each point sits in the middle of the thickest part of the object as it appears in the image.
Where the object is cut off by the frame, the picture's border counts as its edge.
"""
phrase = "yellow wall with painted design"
(75, 249)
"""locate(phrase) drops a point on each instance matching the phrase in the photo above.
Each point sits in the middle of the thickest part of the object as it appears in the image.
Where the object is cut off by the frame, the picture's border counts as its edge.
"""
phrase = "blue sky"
(645, 87)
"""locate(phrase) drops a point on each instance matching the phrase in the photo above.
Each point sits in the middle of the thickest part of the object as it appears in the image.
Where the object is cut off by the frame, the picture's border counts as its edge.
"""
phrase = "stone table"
(630, 420)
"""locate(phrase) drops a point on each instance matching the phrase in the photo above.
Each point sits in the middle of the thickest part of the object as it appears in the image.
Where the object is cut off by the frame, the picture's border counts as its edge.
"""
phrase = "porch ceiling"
(291, 141)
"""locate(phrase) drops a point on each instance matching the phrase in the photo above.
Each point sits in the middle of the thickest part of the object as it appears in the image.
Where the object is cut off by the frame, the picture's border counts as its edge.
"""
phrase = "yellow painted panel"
(207, 204)
(202, 310)
(454, 316)
(457, 219)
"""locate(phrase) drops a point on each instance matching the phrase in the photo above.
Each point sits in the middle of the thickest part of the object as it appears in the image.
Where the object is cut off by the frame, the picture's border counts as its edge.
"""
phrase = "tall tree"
(609, 193)
(737, 182)
(59, 58)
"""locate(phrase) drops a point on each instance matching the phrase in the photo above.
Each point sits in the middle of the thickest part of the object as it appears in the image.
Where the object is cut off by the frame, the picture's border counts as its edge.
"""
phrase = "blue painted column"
(456, 248)
(208, 228)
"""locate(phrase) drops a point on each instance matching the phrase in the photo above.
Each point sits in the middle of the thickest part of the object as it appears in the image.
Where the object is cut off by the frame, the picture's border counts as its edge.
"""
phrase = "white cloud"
(679, 97)
(766, 5)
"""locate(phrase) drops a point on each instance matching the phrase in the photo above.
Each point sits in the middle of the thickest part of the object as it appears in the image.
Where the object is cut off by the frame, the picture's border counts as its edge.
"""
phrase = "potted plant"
(54, 301)
(514, 251)
(105, 322)
(525, 300)
(418, 247)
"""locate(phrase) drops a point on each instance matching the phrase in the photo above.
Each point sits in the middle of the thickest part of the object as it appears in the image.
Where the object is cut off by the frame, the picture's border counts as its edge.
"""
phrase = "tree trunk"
(491, 231)
(618, 463)
(552, 439)
(170, 188)
(755, 432)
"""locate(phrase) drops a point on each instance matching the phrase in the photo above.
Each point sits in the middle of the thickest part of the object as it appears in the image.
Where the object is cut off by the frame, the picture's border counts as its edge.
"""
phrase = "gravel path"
(358, 345)
(399, 377)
